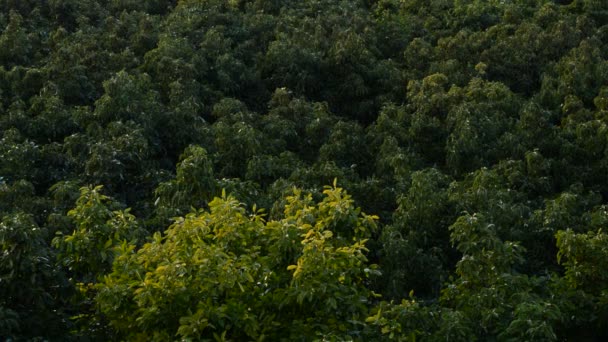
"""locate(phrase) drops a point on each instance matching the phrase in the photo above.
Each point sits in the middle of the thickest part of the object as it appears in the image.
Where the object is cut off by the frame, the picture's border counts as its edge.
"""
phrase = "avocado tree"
(227, 273)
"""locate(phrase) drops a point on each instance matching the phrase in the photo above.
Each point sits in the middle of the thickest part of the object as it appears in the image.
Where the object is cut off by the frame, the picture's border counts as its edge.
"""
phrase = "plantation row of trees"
(234, 170)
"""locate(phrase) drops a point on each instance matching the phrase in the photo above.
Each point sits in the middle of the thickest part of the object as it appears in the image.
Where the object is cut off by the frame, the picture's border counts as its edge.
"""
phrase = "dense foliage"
(164, 170)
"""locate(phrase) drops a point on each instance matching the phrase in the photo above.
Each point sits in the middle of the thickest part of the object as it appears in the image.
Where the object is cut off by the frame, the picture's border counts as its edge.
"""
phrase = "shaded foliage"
(137, 136)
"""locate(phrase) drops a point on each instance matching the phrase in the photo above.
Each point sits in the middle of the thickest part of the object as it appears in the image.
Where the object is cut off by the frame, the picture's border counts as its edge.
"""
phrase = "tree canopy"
(234, 170)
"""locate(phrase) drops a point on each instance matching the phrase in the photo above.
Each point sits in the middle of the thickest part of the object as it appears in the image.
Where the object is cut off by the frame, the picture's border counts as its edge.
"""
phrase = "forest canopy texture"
(301, 170)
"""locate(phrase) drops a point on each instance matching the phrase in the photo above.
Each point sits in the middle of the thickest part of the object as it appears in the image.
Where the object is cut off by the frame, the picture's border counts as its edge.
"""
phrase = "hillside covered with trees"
(300, 170)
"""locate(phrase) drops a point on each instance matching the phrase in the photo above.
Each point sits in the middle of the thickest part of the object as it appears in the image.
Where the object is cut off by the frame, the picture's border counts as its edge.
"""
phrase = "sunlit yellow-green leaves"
(227, 271)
